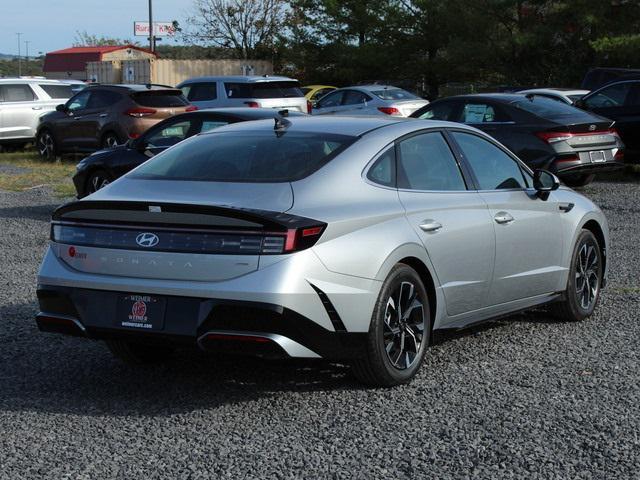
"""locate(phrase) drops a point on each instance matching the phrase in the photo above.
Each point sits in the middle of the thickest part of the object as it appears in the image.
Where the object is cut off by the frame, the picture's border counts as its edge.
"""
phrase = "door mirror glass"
(545, 181)
(61, 108)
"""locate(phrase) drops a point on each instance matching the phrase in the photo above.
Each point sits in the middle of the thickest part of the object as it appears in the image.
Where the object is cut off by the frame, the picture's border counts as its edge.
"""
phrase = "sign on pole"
(160, 29)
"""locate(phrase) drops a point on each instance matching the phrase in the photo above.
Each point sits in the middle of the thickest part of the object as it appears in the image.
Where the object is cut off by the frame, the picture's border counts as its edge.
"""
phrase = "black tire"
(110, 140)
(386, 339)
(585, 274)
(575, 181)
(97, 180)
(138, 354)
(46, 145)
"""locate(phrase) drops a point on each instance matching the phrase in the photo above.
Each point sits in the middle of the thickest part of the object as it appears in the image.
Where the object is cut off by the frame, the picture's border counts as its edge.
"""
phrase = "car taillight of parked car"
(390, 111)
(140, 112)
(555, 137)
(191, 108)
(309, 107)
(252, 104)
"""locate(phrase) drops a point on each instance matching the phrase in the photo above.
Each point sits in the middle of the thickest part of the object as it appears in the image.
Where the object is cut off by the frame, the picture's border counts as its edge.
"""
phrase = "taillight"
(191, 108)
(140, 112)
(134, 135)
(390, 111)
(252, 104)
(296, 239)
(554, 137)
(619, 156)
(309, 106)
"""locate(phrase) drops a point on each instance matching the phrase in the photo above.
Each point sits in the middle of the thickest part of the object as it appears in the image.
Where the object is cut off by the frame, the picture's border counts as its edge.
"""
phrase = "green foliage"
(9, 68)
(621, 51)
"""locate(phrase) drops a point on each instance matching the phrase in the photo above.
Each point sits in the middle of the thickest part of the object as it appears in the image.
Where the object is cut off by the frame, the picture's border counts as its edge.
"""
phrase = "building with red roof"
(72, 62)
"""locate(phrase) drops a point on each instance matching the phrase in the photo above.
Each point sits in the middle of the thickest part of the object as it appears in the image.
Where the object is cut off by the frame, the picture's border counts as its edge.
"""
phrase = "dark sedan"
(104, 166)
(544, 133)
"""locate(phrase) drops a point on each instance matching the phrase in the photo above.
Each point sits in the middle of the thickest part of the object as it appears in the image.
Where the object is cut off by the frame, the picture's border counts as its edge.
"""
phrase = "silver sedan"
(348, 239)
(369, 100)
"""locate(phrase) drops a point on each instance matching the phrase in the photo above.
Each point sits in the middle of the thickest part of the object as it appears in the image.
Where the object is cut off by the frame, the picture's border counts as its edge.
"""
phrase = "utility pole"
(20, 59)
(152, 42)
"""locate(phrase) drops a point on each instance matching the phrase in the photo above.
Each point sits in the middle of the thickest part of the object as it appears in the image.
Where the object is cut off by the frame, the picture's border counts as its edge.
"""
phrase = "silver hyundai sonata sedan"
(349, 239)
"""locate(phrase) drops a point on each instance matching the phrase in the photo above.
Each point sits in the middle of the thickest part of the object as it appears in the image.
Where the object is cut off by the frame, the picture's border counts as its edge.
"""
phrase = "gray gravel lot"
(524, 397)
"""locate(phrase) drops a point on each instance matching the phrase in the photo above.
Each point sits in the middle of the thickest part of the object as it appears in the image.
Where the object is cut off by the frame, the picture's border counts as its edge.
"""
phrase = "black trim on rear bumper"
(188, 318)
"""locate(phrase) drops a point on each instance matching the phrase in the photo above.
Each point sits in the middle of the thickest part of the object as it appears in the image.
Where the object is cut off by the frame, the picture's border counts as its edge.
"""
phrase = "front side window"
(331, 100)
(79, 102)
(102, 99)
(480, 113)
(17, 93)
(169, 135)
(613, 96)
(245, 157)
(426, 163)
(494, 169)
(200, 92)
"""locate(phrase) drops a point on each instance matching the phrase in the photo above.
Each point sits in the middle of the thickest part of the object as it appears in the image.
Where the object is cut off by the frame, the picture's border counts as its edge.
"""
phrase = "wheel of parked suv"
(110, 140)
(138, 353)
(46, 145)
(399, 333)
(97, 180)
(578, 180)
(585, 279)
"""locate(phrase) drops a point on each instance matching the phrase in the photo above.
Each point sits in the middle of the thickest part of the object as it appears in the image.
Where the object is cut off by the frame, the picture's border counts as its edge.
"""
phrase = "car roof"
(239, 79)
(132, 87)
(340, 125)
(371, 88)
(31, 80)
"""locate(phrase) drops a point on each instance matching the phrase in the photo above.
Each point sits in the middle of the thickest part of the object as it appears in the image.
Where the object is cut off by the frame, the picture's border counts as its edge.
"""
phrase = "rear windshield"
(245, 157)
(263, 90)
(394, 94)
(57, 91)
(547, 108)
(160, 99)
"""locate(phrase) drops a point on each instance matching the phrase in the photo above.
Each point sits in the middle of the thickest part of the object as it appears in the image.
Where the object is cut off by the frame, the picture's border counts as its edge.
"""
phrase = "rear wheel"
(399, 333)
(110, 140)
(46, 145)
(136, 353)
(578, 180)
(97, 180)
(585, 279)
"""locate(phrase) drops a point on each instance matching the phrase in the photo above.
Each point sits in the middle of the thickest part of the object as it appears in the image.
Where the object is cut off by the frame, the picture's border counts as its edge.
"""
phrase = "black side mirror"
(61, 108)
(545, 182)
(580, 104)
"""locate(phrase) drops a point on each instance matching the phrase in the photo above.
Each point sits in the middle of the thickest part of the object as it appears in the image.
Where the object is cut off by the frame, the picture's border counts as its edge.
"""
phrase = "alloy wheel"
(46, 145)
(404, 324)
(110, 141)
(97, 182)
(587, 275)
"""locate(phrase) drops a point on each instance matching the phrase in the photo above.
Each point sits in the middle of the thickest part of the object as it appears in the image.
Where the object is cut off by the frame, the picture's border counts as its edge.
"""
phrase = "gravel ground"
(524, 397)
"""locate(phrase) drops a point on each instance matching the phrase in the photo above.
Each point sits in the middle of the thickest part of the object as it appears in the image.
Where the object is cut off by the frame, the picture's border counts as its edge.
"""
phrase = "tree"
(85, 39)
(247, 27)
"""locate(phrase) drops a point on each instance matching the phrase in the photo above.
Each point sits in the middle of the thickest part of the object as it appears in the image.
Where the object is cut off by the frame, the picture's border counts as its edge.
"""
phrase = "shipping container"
(172, 72)
(108, 71)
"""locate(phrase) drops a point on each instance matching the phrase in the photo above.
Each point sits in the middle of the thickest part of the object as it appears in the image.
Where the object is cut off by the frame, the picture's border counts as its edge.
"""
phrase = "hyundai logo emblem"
(592, 128)
(147, 239)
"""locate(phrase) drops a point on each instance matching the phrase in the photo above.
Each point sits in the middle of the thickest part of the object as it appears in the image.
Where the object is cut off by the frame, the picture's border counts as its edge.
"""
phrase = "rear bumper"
(254, 328)
(580, 166)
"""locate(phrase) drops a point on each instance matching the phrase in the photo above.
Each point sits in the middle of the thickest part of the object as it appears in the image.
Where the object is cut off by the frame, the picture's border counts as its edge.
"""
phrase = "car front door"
(329, 104)
(528, 231)
(69, 129)
(452, 221)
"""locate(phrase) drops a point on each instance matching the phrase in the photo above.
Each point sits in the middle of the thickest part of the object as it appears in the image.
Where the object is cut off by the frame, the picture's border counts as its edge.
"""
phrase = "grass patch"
(626, 289)
(38, 173)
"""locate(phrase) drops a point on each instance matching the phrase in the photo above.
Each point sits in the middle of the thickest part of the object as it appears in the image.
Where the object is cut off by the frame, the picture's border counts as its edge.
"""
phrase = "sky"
(52, 24)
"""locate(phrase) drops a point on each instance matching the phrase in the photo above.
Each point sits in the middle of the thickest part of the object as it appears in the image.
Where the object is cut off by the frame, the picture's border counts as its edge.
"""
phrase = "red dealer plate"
(141, 312)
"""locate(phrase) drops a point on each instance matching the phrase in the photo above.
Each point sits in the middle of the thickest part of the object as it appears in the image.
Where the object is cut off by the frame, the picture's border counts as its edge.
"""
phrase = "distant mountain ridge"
(6, 56)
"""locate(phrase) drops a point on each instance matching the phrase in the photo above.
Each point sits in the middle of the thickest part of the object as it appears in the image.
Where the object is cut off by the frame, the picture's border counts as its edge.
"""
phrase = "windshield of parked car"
(394, 94)
(245, 157)
(546, 108)
(285, 89)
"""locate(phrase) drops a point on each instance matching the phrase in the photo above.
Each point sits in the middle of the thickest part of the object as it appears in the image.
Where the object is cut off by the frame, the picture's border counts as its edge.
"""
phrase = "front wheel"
(97, 180)
(585, 279)
(399, 333)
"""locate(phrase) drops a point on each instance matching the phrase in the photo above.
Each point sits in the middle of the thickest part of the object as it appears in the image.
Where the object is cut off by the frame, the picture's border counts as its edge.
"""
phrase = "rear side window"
(57, 91)
(16, 93)
(494, 169)
(263, 90)
(245, 157)
(383, 170)
(160, 99)
(200, 92)
(427, 163)
(481, 113)
(438, 111)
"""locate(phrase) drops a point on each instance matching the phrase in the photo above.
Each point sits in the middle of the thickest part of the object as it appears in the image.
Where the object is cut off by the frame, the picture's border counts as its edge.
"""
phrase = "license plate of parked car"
(597, 156)
(141, 312)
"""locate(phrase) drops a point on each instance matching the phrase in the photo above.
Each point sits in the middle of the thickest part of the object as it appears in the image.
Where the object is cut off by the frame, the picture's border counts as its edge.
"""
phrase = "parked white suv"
(245, 91)
(22, 102)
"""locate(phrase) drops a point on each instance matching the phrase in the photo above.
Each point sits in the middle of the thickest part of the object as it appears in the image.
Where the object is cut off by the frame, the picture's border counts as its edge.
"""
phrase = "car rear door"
(354, 102)
(19, 111)
(528, 236)
(451, 220)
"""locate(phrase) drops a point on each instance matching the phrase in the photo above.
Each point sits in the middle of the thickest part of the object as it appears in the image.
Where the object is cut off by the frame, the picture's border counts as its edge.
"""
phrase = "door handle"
(430, 226)
(36, 108)
(566, 207)
(77, 118)
(503, 218)
(102, 115)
